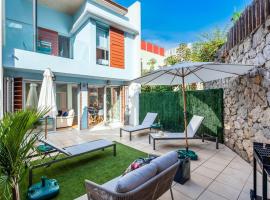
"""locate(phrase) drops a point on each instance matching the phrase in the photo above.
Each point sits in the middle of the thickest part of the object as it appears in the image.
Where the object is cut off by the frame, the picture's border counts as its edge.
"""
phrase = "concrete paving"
(218, 174)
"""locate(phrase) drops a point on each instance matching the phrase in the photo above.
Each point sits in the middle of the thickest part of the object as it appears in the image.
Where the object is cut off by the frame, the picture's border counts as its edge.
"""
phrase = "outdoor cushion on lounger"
(146, 124)
(192, 128)
(80, 148)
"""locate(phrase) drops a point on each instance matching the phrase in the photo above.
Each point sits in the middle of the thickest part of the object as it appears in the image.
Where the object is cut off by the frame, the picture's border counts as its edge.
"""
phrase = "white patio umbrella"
(192, 72)
(32, 98)
(47, 96)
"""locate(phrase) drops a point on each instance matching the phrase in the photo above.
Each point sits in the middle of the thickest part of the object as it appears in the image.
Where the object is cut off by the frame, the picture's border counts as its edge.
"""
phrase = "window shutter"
(117, 48)
(18, 90)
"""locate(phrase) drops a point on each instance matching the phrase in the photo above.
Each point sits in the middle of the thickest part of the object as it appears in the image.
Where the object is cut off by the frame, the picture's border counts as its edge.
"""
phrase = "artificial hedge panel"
(169, 106)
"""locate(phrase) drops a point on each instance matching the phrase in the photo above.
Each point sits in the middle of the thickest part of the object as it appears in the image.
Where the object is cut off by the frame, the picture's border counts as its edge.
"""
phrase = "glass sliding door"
(113, 104)
(95, 105)
(67, 104)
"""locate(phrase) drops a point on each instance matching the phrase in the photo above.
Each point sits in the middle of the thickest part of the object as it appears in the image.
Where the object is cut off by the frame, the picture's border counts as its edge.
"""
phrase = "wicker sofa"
(148, 182)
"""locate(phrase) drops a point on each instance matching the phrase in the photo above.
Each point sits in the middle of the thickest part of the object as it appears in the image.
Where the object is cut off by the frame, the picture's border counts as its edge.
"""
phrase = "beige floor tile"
(208, 195)
(234, 182)
(194, 187)
(244, 196)
(223, 190)
(193, 166)
(209, 179)
(204, 171)
(176, 194)
(214, 165)
(84, 197)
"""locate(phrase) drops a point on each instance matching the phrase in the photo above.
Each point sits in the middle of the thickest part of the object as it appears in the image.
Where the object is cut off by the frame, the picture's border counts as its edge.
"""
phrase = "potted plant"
(18, 134)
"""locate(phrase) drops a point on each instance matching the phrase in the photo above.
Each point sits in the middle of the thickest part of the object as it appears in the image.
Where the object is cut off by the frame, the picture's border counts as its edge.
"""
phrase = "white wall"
(147, 56)
(82, 44)
(134, 14)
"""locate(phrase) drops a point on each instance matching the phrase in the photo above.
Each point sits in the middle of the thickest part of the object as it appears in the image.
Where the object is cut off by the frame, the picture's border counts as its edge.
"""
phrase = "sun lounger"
(146, 124)
(71, 152)
(192, 128)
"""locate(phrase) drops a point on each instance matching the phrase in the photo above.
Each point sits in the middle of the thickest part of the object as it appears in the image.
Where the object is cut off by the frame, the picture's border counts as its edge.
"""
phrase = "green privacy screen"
(169, 106)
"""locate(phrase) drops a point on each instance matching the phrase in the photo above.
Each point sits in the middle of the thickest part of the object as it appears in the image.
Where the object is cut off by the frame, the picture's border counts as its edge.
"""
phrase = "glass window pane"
(102, 38)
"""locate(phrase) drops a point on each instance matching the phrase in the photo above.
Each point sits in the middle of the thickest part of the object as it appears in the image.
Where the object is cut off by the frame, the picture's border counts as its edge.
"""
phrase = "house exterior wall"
(21, 61)
(151, 51)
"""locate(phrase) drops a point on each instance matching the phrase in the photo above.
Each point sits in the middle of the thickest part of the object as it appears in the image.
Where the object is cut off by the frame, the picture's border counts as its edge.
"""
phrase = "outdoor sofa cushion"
(111, 185)
(165, 161)
(135, 178)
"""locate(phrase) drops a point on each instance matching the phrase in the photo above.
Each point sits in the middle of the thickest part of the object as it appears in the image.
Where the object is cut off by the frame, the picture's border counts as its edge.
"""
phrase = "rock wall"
(247, 98)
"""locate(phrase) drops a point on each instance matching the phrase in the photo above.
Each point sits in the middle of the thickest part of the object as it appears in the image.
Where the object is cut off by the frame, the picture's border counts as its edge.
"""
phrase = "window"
(63, 46)
(102, 51)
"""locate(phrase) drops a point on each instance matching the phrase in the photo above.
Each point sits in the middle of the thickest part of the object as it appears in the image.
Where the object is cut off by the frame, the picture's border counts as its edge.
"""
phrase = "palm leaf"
(18, 134)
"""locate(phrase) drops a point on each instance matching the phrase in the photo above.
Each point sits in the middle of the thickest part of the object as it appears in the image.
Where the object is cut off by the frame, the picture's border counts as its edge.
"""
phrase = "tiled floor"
(217, 175)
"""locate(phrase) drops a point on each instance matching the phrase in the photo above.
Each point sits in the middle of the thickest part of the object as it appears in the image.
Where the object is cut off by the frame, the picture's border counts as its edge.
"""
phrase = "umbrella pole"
(46, 127)
(185, 108)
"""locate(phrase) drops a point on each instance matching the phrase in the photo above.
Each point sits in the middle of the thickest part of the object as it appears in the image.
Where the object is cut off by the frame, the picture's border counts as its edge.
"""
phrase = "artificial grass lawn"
(99, 167)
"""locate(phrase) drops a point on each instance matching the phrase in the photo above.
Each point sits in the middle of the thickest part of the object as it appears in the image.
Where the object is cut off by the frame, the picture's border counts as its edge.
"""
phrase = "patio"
(218, 174)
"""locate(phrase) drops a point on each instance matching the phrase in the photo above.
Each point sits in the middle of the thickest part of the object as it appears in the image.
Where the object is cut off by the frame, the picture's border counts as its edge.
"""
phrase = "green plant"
(184, 52)
(206, 49)
(18, 133)
(171, 60)
(152, 63)
(157, 88)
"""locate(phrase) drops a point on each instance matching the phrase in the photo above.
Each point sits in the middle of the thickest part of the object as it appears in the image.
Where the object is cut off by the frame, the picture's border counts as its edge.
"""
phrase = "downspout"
(34, 25)
(2, 17)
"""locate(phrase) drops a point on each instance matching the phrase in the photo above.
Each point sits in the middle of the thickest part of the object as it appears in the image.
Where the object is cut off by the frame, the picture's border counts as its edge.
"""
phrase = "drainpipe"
(34, 25)
(1, 63)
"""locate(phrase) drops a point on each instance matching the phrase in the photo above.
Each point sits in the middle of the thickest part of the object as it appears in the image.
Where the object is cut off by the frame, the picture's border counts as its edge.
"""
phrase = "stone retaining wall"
(247, 98)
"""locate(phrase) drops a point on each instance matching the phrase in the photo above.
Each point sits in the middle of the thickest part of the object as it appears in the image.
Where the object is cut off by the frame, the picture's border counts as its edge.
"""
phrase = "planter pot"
(183, 172)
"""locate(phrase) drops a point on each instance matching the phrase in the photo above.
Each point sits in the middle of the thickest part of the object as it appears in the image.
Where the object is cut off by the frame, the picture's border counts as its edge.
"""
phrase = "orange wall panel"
(161, 51)
(156, 48)
(143, 45)
(117, 48)
(149, 47)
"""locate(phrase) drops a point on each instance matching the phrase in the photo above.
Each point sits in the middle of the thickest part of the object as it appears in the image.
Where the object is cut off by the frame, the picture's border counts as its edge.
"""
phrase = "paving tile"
(194, 187)
(83, 197)
(231, 181)
(193, 166)
(218, 174)
(208, 195)
(176, 194)
(204, 171)
(244, 196)
(225, 191)
(213, 165)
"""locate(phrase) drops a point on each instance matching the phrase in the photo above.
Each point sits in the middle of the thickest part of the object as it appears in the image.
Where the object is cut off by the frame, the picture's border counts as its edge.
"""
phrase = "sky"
(170, 22)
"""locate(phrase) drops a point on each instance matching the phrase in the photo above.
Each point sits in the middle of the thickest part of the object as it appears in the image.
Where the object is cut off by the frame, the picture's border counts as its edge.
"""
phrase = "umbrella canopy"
(192, 72)
(47, 97)
(47, 94)
(32, 98)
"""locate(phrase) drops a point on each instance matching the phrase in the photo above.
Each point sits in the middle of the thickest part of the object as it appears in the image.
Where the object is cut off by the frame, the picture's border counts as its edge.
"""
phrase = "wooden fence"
(251, 18)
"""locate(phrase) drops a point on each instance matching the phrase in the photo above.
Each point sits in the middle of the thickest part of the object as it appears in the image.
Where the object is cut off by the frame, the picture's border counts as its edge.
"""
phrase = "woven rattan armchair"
(150, 190)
